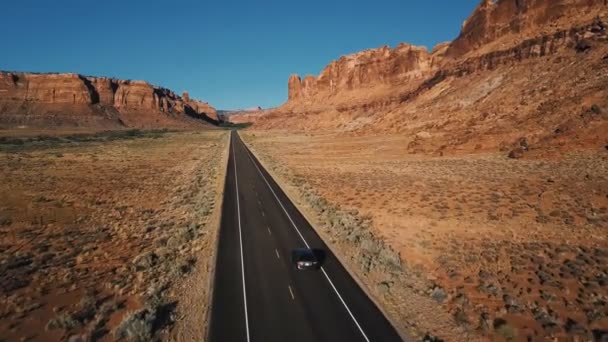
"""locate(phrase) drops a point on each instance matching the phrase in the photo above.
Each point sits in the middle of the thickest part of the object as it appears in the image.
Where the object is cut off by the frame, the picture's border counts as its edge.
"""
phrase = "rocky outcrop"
(592, 34)
(570, 39)
(294, 87)
(30, 96)
(51, 88)
(498, 32)
(381, 66)
(496, 21)
(203, 107)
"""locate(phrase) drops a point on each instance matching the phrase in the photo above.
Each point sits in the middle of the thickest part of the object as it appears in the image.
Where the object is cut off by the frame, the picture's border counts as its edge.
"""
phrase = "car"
(304, 259)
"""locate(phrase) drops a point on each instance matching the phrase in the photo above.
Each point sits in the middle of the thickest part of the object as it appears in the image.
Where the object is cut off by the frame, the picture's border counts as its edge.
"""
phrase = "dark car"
(304, 259)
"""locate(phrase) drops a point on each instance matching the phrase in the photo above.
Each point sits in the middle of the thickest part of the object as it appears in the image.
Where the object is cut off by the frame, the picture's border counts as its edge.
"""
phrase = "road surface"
(258, 295)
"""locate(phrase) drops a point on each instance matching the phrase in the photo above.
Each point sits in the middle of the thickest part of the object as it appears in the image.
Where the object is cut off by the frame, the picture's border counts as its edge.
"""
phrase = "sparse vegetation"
(114, 227)
(50, 141)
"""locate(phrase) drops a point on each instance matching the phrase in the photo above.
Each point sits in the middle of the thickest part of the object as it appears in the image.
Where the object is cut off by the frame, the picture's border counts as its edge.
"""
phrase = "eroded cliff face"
(381, 66)
(496, 32)
(75, 99)
(500, 24)
(59, 88)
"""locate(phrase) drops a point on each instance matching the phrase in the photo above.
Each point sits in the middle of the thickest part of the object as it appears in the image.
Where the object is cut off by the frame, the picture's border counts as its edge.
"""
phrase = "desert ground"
(488, 247)
(100, 233)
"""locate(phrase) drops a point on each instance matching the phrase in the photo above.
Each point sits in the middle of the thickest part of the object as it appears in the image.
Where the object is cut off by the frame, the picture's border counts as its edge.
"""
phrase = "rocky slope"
(75, 100)
(518, 68)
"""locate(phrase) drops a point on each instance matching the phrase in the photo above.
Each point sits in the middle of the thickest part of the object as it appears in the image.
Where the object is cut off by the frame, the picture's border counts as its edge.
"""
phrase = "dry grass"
(95, 226)
(511, 248)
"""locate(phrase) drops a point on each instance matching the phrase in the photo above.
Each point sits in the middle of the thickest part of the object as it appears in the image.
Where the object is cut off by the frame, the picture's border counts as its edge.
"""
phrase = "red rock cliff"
(381, 66)
(506, 21)
(496, 29)
(51, 88)
(24, 95)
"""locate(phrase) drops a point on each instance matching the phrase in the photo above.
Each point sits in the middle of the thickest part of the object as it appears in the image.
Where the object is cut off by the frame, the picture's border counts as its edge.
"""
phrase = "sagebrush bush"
(137, 326)
(64, 321)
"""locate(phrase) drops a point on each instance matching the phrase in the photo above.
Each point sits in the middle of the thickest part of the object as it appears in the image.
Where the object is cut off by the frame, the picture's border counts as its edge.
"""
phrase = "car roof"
(303, 251)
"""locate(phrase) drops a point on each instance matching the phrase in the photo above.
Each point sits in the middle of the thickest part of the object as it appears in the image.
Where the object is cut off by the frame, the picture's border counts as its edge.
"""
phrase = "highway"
(258, 295)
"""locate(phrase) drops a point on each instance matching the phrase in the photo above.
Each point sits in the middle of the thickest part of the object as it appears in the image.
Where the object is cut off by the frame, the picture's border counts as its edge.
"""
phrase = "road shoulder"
(196, 292)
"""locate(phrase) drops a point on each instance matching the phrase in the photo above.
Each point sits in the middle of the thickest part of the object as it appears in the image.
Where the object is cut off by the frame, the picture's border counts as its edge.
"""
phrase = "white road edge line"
(306, 243)
(291, 292)
(238, 210)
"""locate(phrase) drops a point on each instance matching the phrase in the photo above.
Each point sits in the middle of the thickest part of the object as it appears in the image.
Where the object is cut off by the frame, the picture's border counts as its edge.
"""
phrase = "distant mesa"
(55, 100)
(243, 115)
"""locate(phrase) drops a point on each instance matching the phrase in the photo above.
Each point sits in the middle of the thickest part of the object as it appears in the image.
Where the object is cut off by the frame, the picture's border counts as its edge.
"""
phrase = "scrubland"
(463, 247)
(100, 233)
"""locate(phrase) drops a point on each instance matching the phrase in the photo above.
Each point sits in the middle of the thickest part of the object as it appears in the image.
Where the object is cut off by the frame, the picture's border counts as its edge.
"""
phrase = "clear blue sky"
(234, 54)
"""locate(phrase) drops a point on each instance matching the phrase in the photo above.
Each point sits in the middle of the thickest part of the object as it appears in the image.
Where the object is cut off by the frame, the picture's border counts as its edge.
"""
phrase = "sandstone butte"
(48, 100)
(495, 67)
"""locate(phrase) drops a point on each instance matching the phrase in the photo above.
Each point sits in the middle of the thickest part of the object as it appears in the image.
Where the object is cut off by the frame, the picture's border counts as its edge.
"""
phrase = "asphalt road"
(258, 294)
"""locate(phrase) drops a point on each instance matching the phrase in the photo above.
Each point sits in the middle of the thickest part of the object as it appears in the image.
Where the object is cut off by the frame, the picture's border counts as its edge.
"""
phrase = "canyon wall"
(498, 24)
(370, 67)
(495, 31)
(73, 99)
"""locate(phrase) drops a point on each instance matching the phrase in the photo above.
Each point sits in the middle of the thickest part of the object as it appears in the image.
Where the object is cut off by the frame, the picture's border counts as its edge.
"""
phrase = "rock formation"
(506, 21)
(381, 66)
(495, 30)
(33, 99)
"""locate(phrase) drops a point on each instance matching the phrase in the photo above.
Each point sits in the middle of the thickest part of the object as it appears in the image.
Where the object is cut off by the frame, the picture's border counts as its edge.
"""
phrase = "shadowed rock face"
(31, 96)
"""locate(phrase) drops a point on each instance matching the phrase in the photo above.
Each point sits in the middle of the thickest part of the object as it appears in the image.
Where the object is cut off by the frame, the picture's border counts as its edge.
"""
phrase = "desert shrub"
(189, 233)
(108, 308)
(145, 260)
(65, 322)
(142, 324)
(205, 208)
(502, 328)
(137, 326)
(86, 309)
(185, 266)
